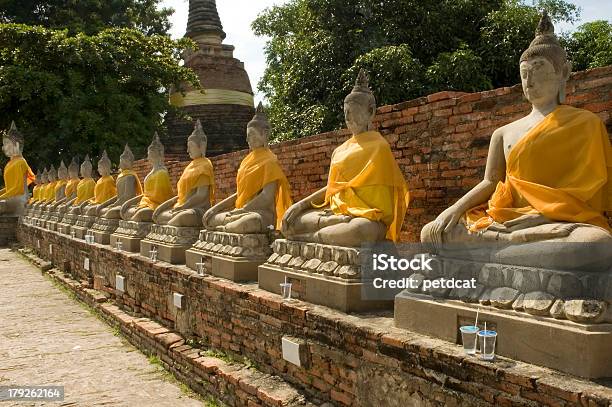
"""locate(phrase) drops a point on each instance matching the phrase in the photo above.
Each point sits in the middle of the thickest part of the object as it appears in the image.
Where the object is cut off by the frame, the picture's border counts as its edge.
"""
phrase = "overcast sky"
(237, 15)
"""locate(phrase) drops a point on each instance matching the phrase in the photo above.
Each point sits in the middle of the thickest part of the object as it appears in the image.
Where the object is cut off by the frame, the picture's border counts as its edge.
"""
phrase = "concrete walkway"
(47, 338)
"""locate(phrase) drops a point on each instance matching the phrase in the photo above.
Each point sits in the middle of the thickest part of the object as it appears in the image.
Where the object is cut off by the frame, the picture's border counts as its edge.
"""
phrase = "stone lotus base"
(103, 228)
(171, 242)
(130, 234)
(82, 226)
(67, 222)
(320, 274)
(577, 348)
(232, 256)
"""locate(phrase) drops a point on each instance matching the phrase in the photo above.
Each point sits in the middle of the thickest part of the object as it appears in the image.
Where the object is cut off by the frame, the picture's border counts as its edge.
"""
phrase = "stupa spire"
(204, 20)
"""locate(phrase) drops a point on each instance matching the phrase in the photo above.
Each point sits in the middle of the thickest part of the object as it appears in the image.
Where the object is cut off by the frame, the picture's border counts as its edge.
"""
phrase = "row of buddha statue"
(547, 180)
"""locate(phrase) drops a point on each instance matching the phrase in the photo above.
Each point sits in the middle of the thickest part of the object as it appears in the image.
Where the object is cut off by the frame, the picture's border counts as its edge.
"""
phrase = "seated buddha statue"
(104, 190)
(60, 186)
(17, 174)
(262, 193)
(128, 186)
(36, 190)
(70, 191)
(85, 188)
(42, 188)
(157, 187)
(366, 196)
(49, 192)
(196, 187)
(547, 180)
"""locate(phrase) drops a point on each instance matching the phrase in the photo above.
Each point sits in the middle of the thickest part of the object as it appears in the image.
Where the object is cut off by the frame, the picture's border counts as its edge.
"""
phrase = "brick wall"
(440, 142)
(350, 360)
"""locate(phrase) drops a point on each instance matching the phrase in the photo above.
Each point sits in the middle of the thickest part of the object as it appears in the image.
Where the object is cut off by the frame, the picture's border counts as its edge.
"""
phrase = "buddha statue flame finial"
(546, 45)
(260, 119)
(545, 26)
(105, 160)
(74, 165)
(198, 135)
(127, 154)
(156, 144)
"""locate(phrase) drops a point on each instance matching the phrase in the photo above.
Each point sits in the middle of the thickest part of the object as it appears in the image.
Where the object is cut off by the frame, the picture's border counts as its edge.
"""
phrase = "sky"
(237, 16)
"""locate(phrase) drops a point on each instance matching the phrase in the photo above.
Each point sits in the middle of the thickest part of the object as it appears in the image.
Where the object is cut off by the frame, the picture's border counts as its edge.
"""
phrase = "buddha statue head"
(38, 180)
(258, 129)
(86, 168)
(44, 177)
(544, 66)
(73, 169)
(126, 160)
(104, 165)
(360, 105)
(155, 152)
(62, 171)
(12, 142)
(197, 142)
(52, 174)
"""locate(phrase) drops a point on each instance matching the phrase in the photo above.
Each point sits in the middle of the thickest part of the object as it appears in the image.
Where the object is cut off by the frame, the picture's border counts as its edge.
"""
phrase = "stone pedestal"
(171, 242)
(103, 228)
(320, 274)
(53, 220)
(557, 319)
(8, 226)
(232, 256)
(67, 222)
(130, 234)
(82, 226)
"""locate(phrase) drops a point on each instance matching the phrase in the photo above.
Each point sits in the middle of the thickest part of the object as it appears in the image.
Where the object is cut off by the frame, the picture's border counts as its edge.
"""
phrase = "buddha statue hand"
(291, 215)
(442, 224)
(522, 222)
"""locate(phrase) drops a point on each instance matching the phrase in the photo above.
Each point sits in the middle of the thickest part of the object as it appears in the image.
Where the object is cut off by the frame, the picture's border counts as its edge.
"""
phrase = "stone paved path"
(47, 338)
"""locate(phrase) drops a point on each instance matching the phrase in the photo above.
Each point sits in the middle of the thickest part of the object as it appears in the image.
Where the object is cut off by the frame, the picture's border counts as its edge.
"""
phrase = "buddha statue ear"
(567, 70)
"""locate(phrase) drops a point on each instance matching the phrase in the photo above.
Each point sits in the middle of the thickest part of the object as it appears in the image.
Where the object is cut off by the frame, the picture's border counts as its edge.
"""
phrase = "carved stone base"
(171, 242)
(579, 349)
(320, 274)
(130, 234)
(229, 255)
(82, 226)
(103, 228)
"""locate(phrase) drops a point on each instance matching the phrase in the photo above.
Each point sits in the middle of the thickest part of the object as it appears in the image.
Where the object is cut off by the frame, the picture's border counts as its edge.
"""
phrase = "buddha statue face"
(73, 169)
(258, 129)
(52, 174)
(544, 67)
(104, 165)
(62, 172)
(12, 142)
(86, 168)
(155, 152)
(126, 160)
(197, 142)
(359, 106)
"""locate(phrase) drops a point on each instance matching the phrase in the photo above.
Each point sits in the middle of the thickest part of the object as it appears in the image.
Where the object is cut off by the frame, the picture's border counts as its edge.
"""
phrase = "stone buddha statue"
(366, 195)
(85, 188)
(196, 187)
(42, 187)
(70, 192)
(547, 182)
(50, 188)
(60, 186)
(35, 191)
(17, 174)
(157, 187)
(263, 192)
(104, 190)
(128, 186)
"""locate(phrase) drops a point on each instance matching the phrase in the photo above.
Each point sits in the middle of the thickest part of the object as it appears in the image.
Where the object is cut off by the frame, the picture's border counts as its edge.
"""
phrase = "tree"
(88, 16)
(410, 47)
(591, 45)
(79, 95)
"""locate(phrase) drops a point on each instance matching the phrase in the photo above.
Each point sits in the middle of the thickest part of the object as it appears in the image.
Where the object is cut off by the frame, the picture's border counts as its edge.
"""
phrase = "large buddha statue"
(366, 195)
(105, 189)
(17, 174)
(196, 187)
(85, 188)
(157, 187)
(127, 185)
(263, 193)
(547, 182)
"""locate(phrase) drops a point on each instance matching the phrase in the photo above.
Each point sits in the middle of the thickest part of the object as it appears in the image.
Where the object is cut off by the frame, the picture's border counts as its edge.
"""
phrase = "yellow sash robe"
(198, 173)
(157, 189)
(61, 184)
(16, 172)
(259, 168)
(125, 173)
(71, 186)
(50, 192)
(365, 181)
(85, 190)
(35, 194)
(104, 190)
(561, 169)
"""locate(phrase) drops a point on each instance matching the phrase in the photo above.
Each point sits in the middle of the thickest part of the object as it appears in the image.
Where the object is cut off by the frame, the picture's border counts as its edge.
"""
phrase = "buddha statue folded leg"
(242, 222)
(182, 217)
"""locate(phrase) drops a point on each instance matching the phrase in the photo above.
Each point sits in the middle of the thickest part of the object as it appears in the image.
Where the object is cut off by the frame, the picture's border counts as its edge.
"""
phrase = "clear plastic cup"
(119, 245)
(200, 268)
(468, 338)
(286, 291)
(486, 340)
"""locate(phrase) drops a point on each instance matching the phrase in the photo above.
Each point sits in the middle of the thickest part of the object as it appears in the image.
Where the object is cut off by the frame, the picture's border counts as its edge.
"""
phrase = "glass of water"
(468, 337)
(487, 341)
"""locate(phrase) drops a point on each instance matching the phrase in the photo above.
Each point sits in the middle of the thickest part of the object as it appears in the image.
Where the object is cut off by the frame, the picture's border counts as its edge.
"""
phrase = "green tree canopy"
(590, 45)
(88, 16)
(410, 47)
(77, 95)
